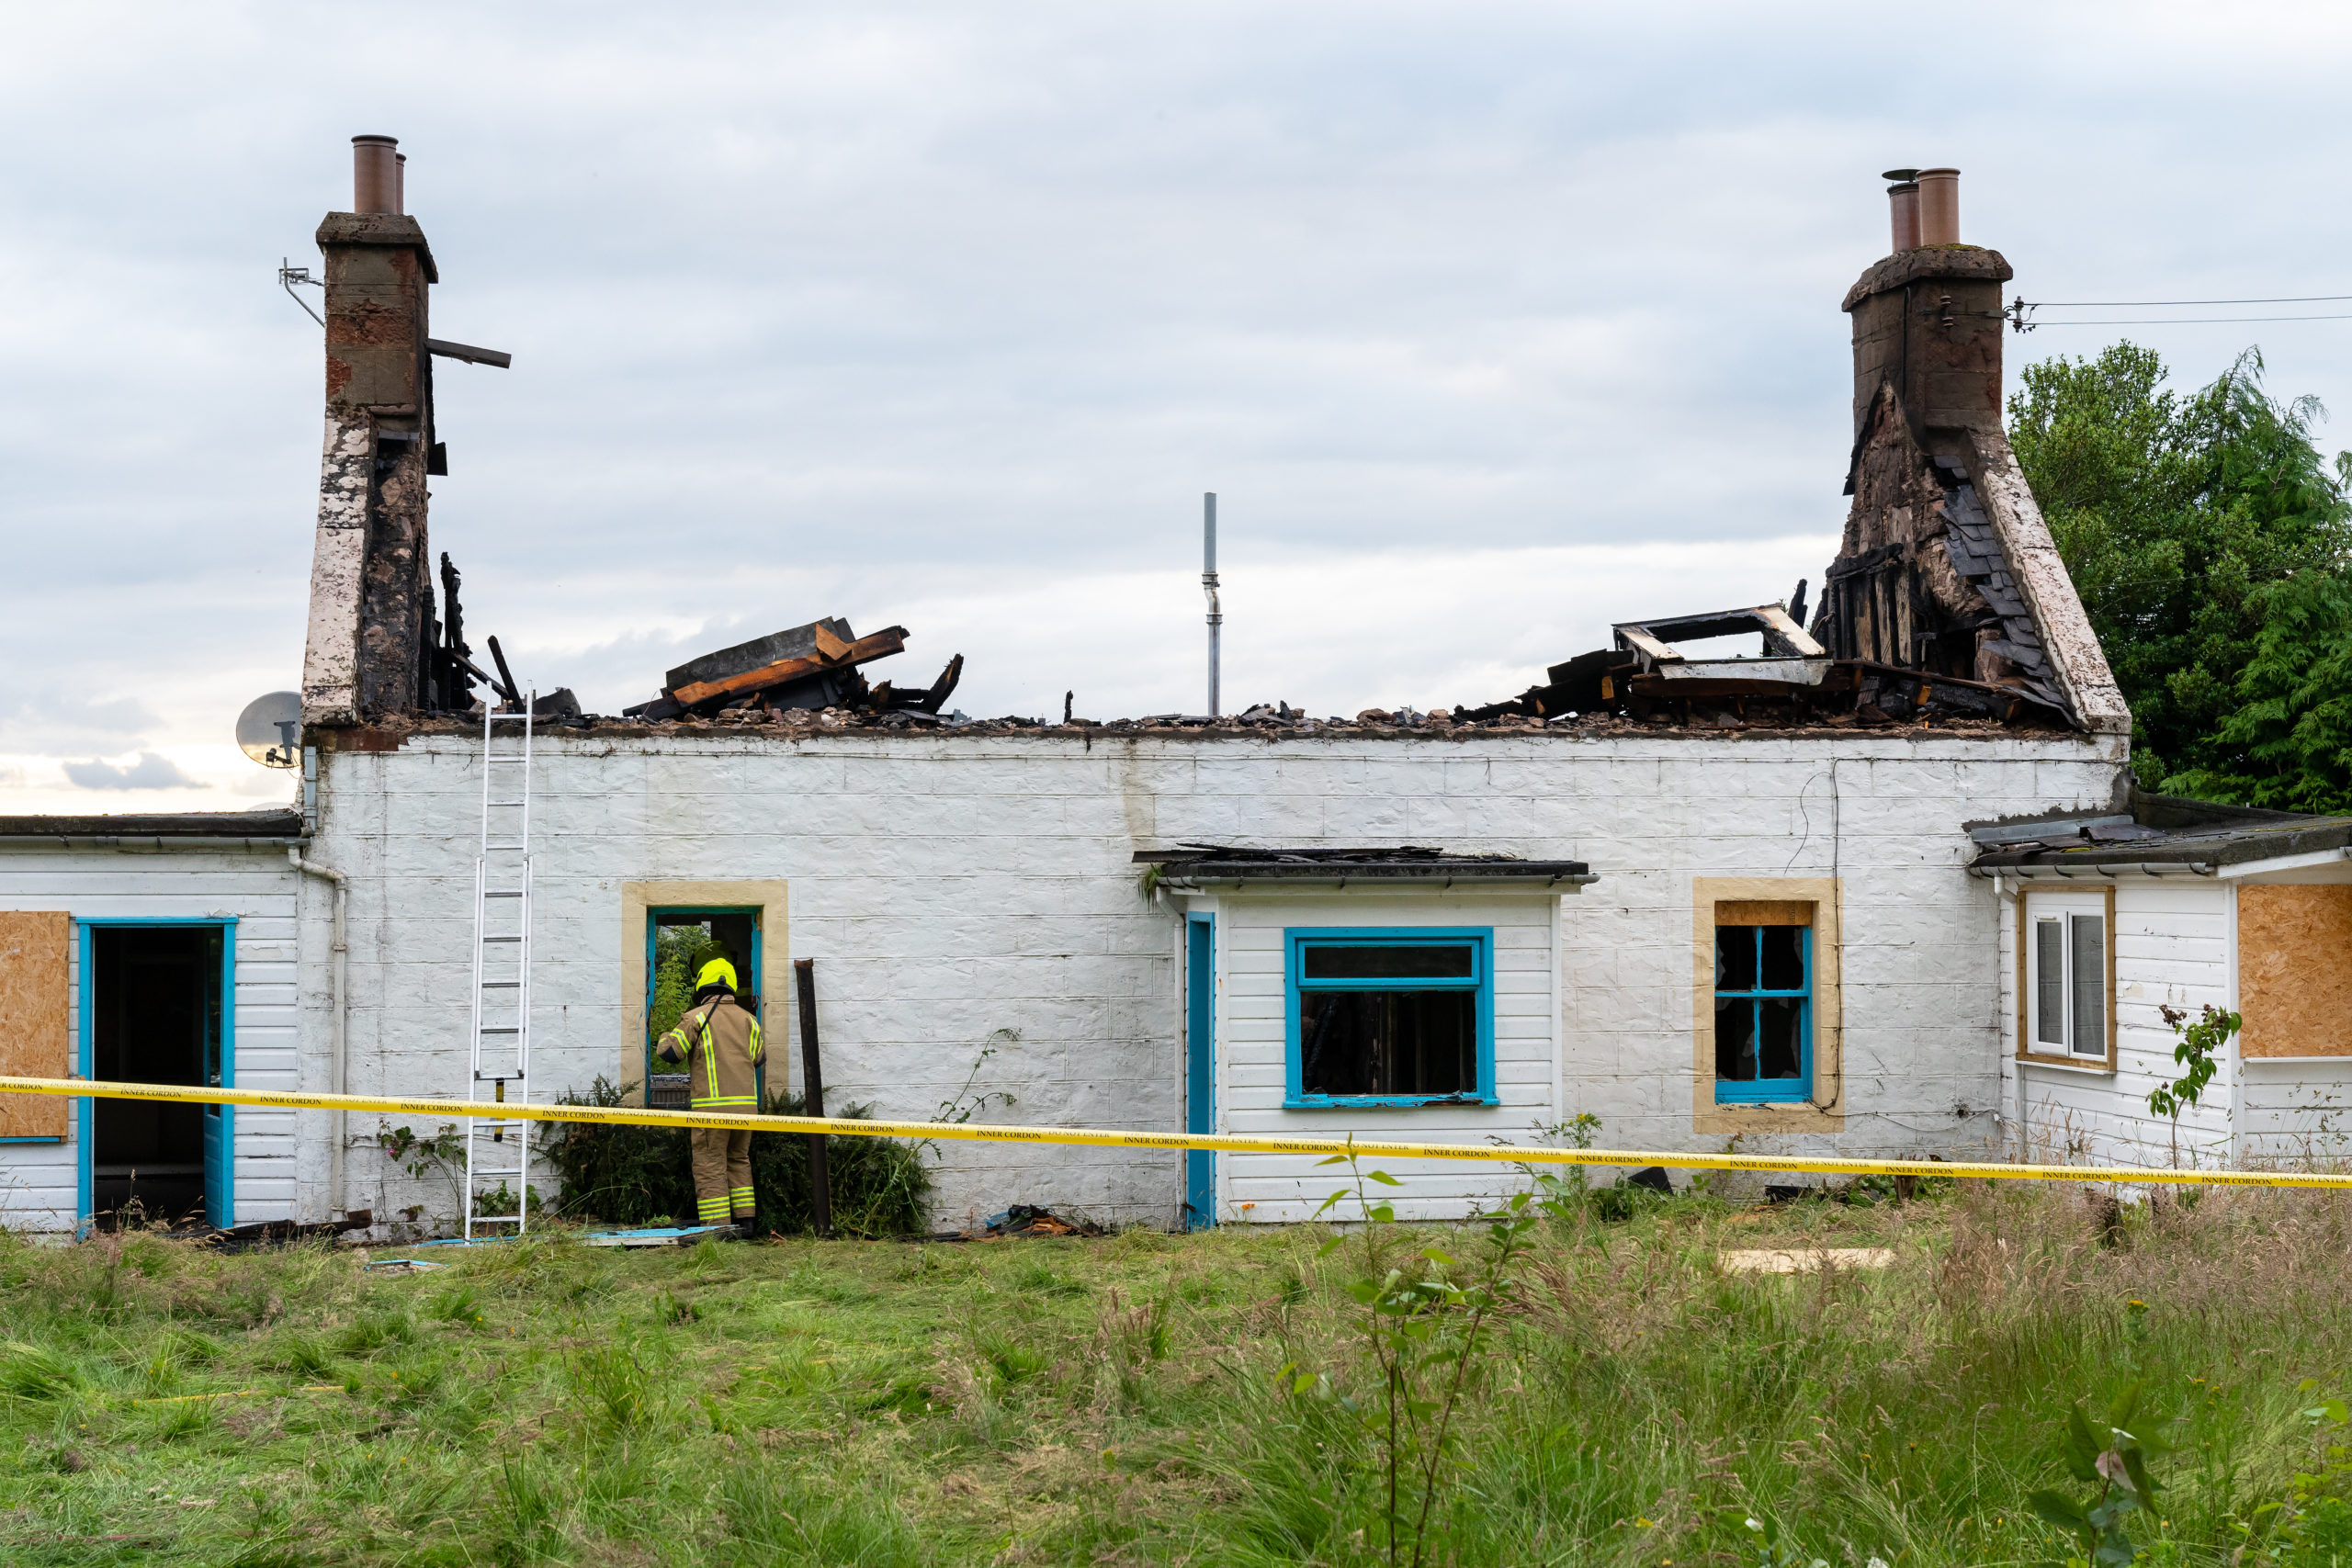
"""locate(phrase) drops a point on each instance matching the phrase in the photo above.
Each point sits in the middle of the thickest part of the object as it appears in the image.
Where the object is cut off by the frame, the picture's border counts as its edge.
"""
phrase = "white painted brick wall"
(951, 887)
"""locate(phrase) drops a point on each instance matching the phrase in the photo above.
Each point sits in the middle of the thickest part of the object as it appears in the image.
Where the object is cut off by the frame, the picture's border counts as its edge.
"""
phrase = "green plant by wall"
(637, 1176)
(438, 1156)
(2201, 1042)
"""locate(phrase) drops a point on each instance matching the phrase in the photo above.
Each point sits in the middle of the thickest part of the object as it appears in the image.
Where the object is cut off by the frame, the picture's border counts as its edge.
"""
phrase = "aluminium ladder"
(498, 1149)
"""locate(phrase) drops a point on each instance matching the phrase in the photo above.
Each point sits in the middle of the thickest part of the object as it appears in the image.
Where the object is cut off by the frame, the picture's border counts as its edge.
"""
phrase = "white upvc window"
(2067, 964)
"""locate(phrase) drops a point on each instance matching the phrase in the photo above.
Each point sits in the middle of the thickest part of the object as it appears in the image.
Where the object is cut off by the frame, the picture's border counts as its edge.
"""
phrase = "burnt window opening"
(1378, 1043)
(1763, 997)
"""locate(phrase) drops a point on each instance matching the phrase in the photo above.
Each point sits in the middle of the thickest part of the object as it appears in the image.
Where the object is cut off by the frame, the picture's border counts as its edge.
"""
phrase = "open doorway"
(158, 1012)
(678, 943)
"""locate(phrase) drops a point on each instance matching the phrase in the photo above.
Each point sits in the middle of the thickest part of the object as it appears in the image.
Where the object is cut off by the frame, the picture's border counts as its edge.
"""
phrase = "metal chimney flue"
(1902, 201)
(1939, 207)
(400, 184)
(374, 174)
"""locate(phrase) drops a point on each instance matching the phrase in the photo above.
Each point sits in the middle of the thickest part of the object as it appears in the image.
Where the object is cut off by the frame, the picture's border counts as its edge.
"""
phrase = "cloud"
(911, 316)
(149, 771)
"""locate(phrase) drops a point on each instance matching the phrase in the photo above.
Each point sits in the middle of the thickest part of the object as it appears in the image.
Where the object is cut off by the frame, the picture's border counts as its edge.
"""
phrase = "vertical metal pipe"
(1940, 207)
(1902, 201)
(374, 174)
(400, 182)
(821, 1189)
(339, 952)
(1209, 586)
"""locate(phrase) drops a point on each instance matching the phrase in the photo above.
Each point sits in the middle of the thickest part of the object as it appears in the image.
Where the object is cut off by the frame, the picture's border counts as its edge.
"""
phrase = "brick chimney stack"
(1928, 319)
(370, 581)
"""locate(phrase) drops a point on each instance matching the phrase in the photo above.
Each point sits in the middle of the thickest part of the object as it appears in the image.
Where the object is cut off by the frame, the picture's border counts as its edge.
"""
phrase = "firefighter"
(719, 1042)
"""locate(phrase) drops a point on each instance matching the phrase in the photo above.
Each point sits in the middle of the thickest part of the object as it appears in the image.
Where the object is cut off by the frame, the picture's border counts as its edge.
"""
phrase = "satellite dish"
(270, 729)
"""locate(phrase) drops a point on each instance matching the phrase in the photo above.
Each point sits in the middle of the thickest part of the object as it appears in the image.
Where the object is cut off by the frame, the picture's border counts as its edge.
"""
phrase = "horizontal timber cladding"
(2170, 944)
(971, 893)
(281, 1025)
(1252, 1042)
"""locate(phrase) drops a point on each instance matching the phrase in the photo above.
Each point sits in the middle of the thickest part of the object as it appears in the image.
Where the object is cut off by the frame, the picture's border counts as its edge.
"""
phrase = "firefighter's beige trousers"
(722, 1175)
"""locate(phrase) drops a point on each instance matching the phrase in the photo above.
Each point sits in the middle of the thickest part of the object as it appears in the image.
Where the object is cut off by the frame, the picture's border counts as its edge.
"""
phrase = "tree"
(2181, 518)
(2288, 745)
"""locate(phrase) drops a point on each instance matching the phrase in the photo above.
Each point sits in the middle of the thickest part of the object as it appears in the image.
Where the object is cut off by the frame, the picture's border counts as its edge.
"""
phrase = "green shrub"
(636, 1176)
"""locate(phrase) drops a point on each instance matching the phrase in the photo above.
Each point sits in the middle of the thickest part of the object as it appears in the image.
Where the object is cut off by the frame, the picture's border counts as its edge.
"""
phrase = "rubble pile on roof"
(1792, 681)
(811, 679)
(803, 669)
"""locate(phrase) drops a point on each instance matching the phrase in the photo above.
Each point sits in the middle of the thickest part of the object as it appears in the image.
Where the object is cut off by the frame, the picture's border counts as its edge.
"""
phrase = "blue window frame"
(737, 928)
(219, 1066)
(1763, 1014)
(1389, 1016)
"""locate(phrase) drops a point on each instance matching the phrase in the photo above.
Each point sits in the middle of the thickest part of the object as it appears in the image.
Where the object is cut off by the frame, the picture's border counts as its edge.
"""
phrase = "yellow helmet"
(717, 972)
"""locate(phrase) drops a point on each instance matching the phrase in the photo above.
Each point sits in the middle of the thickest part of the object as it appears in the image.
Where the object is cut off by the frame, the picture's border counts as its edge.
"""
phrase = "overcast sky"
(1489, 323)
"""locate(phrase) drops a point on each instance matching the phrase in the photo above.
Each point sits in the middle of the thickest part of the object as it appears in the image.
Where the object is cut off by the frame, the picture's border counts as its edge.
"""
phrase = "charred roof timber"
(813, 666)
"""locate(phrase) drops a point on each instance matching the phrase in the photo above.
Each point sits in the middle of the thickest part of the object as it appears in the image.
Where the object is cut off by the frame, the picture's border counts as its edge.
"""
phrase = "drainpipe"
(335, 1206)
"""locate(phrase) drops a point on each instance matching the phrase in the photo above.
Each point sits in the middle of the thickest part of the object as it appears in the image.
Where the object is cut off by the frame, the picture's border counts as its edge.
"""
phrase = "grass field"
(1117, 1401)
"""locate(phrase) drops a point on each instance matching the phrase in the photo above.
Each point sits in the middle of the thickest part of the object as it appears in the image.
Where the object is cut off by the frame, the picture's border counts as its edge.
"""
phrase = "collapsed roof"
(1947, 604)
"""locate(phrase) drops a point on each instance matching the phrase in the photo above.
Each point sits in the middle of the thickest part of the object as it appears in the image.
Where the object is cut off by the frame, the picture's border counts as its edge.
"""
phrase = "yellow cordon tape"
(1236, 1143)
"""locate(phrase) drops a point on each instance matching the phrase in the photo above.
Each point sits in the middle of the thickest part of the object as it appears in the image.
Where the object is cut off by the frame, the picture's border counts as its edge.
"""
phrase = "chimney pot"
(1903, 200)
(374, 174)
(400, 184)
(1939, 207)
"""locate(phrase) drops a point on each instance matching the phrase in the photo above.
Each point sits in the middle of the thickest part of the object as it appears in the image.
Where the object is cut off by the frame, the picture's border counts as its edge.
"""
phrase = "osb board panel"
(35, 1007)
(2295, 970)
(1763, 911)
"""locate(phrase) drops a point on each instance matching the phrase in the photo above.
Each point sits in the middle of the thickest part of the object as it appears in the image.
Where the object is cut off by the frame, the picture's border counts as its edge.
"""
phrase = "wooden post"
(820, 1189)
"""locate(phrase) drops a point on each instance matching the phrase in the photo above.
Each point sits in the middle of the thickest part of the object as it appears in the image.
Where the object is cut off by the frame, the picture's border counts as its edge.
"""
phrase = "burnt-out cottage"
(1702, 898)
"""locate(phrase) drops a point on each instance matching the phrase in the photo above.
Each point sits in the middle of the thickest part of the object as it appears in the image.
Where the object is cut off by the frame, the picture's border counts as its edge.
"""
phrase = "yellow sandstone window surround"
(1795, 1017)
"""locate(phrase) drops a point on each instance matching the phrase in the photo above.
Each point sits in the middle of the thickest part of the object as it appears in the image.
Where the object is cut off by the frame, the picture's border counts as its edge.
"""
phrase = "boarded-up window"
(2295, 970)
(35, 1010)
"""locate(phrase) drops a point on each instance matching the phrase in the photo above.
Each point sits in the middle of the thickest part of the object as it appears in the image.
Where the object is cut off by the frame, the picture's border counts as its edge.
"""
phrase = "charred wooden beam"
(880, 644)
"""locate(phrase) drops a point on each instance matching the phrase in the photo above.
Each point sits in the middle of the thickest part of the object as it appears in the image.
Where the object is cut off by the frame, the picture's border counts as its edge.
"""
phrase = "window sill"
(1383, 1102)
(2089, 1067)
(1806, 1104)
(37, 1138)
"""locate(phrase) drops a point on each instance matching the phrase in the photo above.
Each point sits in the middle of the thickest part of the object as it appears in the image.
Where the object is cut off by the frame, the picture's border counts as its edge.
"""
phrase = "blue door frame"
(1200, 1067)
(755, 980)
(219, 1120)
